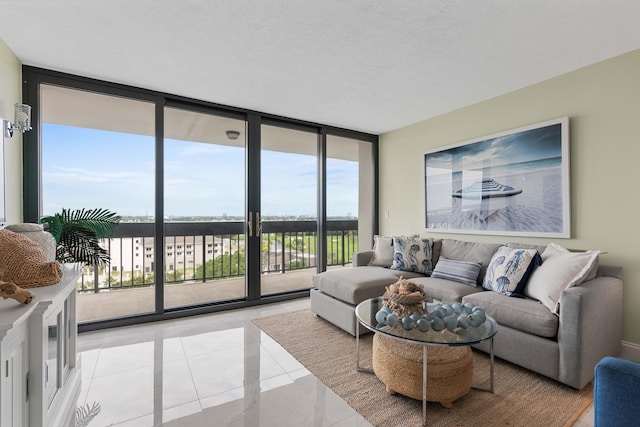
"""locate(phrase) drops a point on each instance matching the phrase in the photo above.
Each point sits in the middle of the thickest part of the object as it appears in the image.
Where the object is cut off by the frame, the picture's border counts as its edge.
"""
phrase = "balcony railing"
(205, 251)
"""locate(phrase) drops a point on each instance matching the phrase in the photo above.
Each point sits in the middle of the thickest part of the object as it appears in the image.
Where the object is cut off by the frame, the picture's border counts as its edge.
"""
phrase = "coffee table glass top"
(366, 314)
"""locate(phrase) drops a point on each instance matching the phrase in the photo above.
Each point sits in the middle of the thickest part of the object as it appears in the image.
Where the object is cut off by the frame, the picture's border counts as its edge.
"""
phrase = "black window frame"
(33, 77)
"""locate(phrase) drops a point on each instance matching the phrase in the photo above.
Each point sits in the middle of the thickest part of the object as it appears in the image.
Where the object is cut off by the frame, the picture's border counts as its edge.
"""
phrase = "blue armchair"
(616, 397)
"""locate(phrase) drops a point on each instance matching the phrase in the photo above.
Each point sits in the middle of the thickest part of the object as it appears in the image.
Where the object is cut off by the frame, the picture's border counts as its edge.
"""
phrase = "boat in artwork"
(486, 188)
(484, 197)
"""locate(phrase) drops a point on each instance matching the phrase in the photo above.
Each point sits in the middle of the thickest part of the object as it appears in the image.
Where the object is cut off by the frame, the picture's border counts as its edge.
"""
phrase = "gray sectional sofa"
(564, 344)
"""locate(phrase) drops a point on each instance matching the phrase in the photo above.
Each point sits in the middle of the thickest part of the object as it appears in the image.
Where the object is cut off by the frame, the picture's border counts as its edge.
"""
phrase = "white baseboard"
(630, 351)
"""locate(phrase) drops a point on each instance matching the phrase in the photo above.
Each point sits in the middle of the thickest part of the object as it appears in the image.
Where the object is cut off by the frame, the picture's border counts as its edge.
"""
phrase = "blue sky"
(535, 144)
(87, 168)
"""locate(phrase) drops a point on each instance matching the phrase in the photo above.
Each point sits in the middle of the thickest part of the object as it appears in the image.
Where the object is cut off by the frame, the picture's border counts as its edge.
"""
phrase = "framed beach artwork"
(511, 183)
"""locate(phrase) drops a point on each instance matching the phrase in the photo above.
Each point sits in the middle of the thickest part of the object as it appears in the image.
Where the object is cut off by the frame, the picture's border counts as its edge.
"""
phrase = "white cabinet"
(40, 378)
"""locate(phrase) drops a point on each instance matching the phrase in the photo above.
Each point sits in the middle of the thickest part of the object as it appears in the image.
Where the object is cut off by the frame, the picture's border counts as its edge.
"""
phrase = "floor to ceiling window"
(221, 207)
(349, 198)
(289, 208)
(98, 153)
(204, 207)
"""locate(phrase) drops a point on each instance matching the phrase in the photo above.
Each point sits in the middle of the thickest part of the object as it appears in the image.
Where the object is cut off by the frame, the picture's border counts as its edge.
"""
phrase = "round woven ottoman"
(399, 366)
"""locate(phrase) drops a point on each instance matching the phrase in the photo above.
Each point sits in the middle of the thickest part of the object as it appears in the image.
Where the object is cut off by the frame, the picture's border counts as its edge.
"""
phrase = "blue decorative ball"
(381, 316)
(392, 319)
(451, 322)
(437, 324)
(447, 309)
(475, 320)
(423, 325)
(438, 312)
(463, 321)
(408, 323)
(457, 307)
(480, 312)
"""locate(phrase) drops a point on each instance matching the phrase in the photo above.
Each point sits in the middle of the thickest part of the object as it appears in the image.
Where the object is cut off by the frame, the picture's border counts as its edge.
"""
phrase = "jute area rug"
(521, 398)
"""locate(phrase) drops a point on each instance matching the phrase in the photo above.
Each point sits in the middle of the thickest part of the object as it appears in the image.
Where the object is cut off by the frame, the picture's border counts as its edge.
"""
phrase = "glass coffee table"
(366, 315)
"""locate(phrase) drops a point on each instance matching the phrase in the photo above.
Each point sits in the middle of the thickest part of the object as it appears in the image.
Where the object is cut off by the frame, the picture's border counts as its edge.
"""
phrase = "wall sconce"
(232, 134)
(22, 121)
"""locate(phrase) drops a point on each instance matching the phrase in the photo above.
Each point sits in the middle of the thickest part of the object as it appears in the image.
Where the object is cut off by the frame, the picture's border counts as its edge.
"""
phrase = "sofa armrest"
(616, 396)
(362, 258)
(590, 328)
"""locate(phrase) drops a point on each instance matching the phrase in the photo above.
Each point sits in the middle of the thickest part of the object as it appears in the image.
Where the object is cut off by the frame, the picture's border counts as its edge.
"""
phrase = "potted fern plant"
(78, 233)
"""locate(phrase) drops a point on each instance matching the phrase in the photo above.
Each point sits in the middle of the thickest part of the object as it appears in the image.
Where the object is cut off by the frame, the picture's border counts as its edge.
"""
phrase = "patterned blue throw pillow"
(509, 270)
(412, 254)
(465, 272)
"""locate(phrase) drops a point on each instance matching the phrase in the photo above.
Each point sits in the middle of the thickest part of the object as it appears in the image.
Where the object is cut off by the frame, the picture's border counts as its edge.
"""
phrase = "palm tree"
(78, 233)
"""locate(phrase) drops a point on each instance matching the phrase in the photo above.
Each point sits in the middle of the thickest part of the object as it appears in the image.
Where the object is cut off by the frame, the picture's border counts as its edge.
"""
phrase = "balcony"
(203, 263)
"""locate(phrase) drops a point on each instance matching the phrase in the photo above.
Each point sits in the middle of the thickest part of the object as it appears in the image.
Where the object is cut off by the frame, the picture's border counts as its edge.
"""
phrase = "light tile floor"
(210, 370)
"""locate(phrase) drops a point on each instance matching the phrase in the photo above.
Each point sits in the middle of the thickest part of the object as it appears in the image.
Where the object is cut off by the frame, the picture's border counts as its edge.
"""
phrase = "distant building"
(136, 255)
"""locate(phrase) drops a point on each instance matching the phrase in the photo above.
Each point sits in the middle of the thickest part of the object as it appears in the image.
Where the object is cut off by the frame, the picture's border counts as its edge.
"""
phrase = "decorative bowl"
(403, 299)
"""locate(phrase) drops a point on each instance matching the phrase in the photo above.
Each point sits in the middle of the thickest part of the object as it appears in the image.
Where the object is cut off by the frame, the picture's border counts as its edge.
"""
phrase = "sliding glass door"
(289, 209)
(204, 208)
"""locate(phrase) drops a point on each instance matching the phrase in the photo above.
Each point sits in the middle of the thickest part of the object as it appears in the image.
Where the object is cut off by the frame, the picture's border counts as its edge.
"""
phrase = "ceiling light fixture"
(22, 121)
(232, 134)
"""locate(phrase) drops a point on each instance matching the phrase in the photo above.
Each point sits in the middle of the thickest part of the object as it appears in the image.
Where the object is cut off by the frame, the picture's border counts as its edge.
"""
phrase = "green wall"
(602, 102)
(10, 93)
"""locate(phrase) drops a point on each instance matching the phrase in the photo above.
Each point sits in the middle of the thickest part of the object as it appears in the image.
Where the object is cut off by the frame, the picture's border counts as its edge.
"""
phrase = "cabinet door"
(15, 372)
(52, 367)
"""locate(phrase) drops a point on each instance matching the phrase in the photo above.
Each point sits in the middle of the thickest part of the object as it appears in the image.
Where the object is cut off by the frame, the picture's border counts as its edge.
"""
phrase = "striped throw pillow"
(459, 271)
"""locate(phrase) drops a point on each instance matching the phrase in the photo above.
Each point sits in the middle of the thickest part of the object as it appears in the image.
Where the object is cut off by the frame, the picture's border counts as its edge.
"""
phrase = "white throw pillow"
(560, 270)
(382, 251)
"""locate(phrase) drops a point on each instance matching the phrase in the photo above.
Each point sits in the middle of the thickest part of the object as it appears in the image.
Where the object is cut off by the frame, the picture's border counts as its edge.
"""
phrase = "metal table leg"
(358, 367)
(490, 388)
(491, 358)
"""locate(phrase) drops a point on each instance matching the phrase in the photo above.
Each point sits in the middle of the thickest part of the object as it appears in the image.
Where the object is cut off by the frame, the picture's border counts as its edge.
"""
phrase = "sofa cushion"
(361, 258)
(412, 254)
(509, 270)
(382, 251)
(523, 314)
(465, 272)
(445, 290)
(560, 270)
(356, 284)
(469, 251)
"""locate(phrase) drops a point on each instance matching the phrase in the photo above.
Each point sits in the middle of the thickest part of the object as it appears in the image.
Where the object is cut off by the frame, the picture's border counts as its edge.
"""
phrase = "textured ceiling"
(367, 65)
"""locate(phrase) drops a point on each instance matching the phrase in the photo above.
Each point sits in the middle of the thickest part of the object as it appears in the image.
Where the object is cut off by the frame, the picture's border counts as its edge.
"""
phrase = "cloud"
(76, 175)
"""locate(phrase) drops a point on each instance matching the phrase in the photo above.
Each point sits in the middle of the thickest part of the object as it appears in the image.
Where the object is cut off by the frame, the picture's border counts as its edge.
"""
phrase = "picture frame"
(513, 183)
